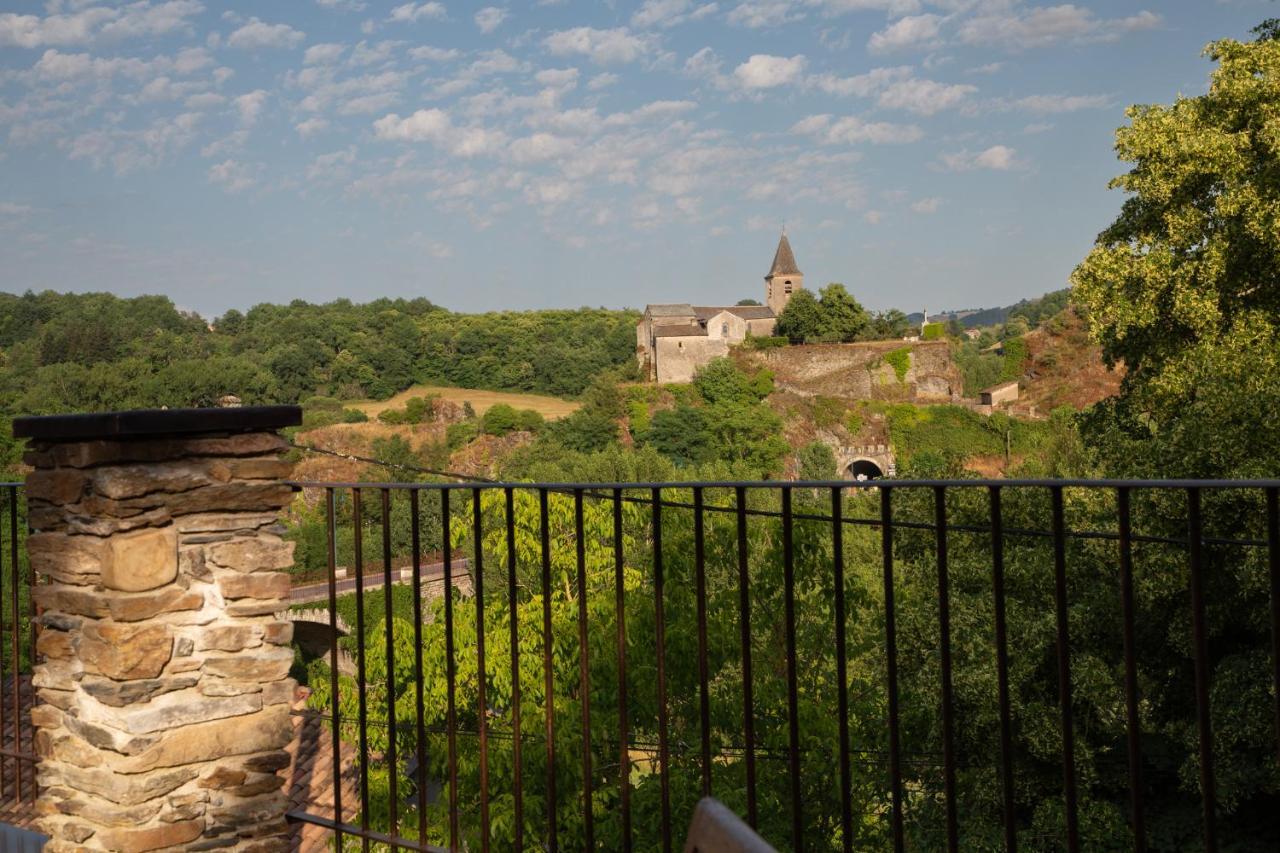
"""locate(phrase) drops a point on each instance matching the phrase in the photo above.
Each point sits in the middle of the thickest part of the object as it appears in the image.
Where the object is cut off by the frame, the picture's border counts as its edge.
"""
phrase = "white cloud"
(872, 217)
(414, 12)
(540, 147)
(490, 18)
(1018, 28)
(8, 208)
(763, 71)
(860, 85)
(670, 13)
(926, 205)
(87, 23)
(204, 101)
(323, 54)
(911, 31)
(344, 5)
(604, 47)
(558, 78)
(764, 13)
(427, 53)
(852, 130)
(436, 127)
(259, 35)
(924, 97)
(989, 68)
(602, 81)
(1062, 103)
(1000, 158)
(231, 175)
(310, 127)
(249, 106)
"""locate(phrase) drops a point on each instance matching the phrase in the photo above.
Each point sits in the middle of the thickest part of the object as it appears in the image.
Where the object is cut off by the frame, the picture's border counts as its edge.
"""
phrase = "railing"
(17, 648)
(905, 664)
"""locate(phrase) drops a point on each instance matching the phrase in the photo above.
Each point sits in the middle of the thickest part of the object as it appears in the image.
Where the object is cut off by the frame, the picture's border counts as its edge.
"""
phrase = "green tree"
(843, 317)
(801, 319)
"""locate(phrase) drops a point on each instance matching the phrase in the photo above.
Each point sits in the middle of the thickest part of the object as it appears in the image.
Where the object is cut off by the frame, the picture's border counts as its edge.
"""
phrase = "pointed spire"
(784, 261)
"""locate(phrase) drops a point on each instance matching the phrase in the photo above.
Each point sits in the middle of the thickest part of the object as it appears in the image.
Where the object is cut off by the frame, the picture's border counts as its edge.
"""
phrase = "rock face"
(861, 371)
(162, 680)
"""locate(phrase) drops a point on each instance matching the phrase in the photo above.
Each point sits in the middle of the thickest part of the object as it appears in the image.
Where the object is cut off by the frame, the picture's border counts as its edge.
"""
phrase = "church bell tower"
(784, 276)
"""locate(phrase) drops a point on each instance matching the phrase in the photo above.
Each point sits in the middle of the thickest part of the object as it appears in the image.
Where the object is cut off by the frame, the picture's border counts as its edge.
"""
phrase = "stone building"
(674, 340)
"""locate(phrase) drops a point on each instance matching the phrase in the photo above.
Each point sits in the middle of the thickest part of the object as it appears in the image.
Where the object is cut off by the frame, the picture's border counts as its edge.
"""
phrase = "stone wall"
(162, 675)
(859, 371)
(679, 358)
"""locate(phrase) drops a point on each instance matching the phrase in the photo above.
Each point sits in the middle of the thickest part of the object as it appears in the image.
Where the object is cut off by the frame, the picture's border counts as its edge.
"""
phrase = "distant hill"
(1034, 310)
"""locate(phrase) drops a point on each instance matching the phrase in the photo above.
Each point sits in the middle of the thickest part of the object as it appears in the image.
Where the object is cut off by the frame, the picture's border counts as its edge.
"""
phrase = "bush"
(933, 332)
(827, 412)
(772, 342)
(354, 416)
(1015, 353)
(457, 435)
(900, 360)
(392, 416)
(816, 461)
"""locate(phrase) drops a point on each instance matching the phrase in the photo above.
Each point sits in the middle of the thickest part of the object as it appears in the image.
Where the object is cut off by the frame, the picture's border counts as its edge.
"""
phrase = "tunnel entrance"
(865, 469)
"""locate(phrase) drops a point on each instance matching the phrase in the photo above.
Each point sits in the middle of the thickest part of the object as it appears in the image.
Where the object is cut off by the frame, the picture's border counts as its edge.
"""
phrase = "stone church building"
(673, 341)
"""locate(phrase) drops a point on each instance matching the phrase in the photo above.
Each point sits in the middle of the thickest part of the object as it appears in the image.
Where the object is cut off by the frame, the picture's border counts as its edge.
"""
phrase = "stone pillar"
(161, 678)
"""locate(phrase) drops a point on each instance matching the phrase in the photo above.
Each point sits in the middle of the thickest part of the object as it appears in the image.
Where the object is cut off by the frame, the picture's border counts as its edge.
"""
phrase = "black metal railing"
(17, 649)
(904, 664)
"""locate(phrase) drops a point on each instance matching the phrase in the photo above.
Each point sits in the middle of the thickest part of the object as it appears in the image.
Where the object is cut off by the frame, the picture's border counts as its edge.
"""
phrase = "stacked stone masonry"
(163, 695)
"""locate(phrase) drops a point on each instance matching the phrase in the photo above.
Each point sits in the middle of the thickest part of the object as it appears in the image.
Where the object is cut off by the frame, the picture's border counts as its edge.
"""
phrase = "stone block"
(278, 633)
(221, 777)
(141, 560)
(121, 693)
(269, 664)
(140, 788)
(170, 711)
(151, 838)
(57, 486)
(252, 554)
(130, 481)
(125, 652)
(68, 559)
(258, 585)
(270, 729)
(55, 645)
(231, 638)
(66, 599)
(224, 522)
(147, 605)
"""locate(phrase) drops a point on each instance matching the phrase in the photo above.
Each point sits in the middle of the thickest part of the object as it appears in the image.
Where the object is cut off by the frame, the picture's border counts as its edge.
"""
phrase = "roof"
(784, 261)
(1000, 386)
(746, 312)
(688, 330)
(672, 309)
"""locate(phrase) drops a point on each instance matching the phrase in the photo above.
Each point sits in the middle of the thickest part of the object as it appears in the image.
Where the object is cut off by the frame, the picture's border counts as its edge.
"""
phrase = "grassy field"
(550, 408)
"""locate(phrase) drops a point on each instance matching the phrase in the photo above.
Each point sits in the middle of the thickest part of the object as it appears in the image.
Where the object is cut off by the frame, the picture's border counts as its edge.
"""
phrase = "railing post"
(162, 685)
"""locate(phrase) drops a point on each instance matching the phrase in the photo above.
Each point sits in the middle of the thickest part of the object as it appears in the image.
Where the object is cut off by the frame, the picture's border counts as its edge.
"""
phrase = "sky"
(929, 154)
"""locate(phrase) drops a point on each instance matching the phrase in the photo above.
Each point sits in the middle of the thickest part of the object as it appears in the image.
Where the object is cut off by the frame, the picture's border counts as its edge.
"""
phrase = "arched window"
(724, 329)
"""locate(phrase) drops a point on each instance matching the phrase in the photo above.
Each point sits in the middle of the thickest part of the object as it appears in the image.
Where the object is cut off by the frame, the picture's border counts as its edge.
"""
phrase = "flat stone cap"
(153, 423)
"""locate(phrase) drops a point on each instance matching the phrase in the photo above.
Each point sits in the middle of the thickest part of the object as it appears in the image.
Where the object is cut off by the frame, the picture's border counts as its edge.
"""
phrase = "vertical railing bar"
(331, 529)
(944, 636)
(891, 667)
(624, 755)
(744, 617)
(584, 673)
(451, 711)
(700, 584)
(660, 636)
(1133, 732)
(549, 702)
(4, 726)
(517, 775)
(793, 699)
(1002, 674)
(1200, 640)
(1064, 670)
(17, 642)
(35, 629)
(415, 541)
(842, 676)
(482, 707)
(357, 520)
(1273, 560)
(388, 589)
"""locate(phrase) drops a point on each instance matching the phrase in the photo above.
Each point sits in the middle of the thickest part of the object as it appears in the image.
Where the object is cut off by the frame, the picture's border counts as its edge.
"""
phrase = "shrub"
(354, 416)
(826, 412)
(933, 332)
(457, 435)
(392, 416)
(772, 342)
(900, 360)
(816, 461)
(1015, 353)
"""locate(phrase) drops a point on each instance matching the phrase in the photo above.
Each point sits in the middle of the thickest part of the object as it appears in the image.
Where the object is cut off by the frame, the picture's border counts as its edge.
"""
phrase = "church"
(674, 340)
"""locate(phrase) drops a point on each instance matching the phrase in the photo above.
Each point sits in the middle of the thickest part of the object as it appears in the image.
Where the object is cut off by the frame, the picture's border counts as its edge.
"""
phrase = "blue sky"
(927, 153)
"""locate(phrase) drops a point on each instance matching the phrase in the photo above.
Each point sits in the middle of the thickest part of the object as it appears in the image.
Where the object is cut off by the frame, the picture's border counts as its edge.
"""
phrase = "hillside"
(1034, 310)
(1064, 367)
(550, 408)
